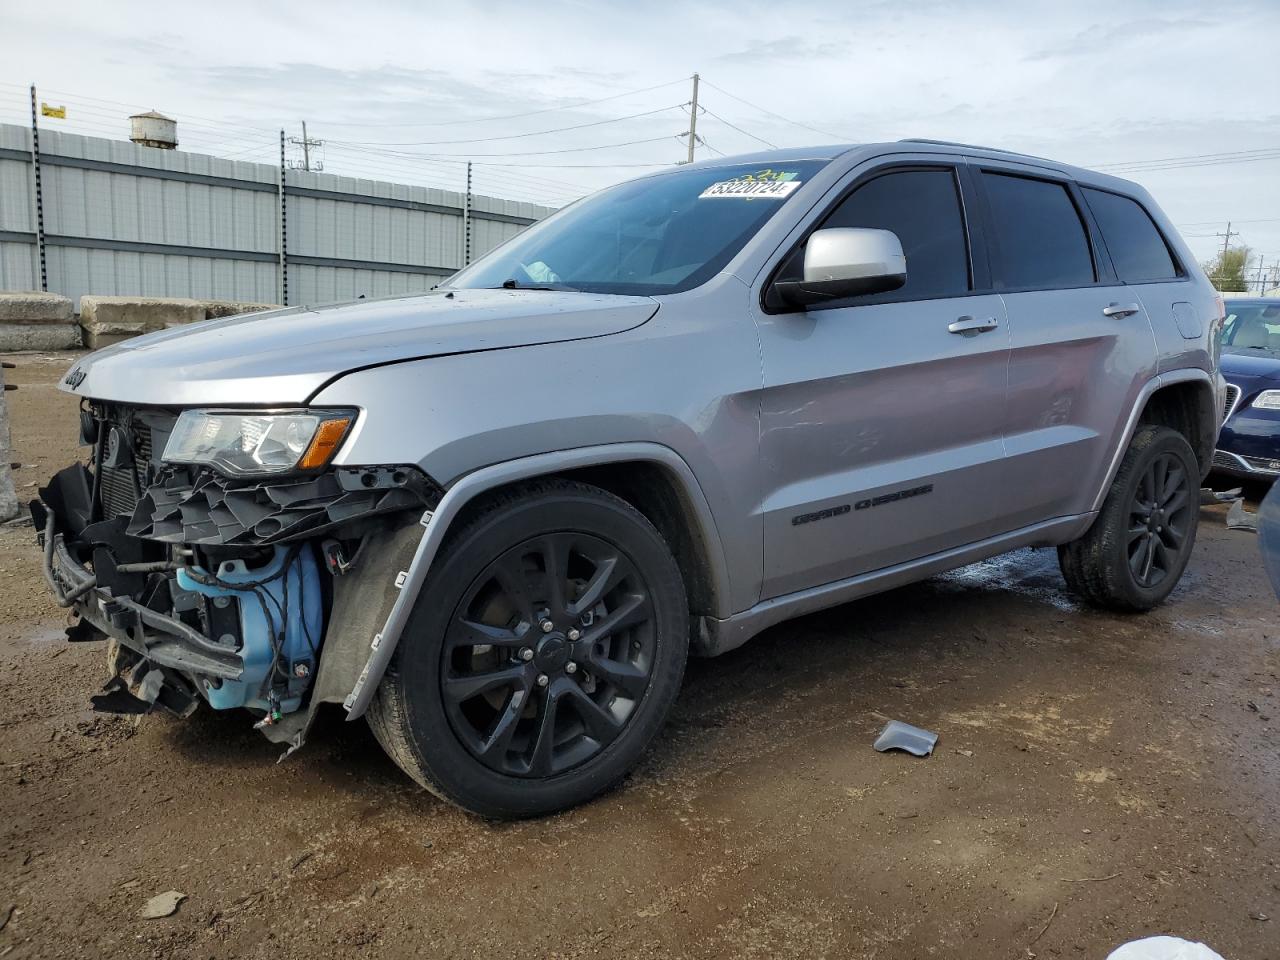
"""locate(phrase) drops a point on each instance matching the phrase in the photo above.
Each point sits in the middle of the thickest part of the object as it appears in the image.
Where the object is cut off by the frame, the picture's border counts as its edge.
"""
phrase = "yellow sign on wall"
(48, 111)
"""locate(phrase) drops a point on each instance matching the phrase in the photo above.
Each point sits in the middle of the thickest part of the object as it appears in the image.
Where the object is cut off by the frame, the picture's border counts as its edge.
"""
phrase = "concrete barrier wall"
(37, 321)
(43, 321)
(108, 320)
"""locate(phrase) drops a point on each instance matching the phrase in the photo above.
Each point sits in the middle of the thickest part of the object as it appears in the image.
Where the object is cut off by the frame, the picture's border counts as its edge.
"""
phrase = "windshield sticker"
(774, 184)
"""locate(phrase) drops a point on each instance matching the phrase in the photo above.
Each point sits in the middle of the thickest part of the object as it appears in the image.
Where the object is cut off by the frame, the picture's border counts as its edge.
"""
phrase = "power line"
(509, 136)
(510, 116)
(1214, 223)
(1140, 166)
(745, 133)
(527, 153)
(778, 116)
(1199, 156)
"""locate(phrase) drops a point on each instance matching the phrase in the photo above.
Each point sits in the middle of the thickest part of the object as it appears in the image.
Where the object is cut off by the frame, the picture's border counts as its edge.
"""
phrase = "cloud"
(786, 48)
(1100, 40)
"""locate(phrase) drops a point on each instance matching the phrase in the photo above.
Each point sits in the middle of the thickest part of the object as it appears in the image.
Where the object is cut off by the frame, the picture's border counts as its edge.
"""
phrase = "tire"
(1135, 552)
(506, 716)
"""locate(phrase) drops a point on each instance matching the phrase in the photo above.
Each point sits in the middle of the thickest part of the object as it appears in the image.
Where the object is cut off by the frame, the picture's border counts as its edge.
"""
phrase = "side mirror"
(846, 262)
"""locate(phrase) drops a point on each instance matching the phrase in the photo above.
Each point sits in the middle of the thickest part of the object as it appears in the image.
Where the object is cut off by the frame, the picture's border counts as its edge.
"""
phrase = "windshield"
(662, 234)
(1252, 328)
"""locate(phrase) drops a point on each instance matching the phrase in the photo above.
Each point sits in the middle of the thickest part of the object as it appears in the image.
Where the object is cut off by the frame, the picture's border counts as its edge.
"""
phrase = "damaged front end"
(218, 583)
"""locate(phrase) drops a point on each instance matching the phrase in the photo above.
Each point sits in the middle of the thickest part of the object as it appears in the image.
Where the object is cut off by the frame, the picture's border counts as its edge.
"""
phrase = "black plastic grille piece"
(210, 509)
(124, 472)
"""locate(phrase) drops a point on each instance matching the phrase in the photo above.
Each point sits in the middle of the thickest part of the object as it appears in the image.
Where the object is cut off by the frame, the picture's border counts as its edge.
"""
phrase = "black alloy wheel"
(1160, 517)
(548, 654)
(1135, 551)
(544, 652)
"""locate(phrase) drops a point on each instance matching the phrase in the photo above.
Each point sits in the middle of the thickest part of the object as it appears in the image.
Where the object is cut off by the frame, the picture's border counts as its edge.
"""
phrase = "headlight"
(249, 443)
(1267, 400)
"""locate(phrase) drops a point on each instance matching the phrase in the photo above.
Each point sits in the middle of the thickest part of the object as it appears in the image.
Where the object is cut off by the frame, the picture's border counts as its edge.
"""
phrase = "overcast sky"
(384, 83)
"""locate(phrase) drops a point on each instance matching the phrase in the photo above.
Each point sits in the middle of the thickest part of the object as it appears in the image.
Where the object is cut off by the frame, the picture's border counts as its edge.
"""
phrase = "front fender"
(408, 582)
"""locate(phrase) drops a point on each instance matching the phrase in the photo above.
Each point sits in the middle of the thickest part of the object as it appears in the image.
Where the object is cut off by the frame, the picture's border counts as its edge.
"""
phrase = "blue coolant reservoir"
(296, 624)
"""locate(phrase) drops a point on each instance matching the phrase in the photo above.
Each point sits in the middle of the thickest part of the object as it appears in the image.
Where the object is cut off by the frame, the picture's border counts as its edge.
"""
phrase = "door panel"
(1073, 377)
(1081, 344)
(881, 417)
(881, 436)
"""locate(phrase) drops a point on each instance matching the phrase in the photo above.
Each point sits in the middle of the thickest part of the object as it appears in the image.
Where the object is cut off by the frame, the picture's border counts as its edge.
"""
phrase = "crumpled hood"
(285, 356)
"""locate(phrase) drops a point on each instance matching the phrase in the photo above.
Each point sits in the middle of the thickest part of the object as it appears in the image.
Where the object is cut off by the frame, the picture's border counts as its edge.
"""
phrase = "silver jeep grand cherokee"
(495, 519)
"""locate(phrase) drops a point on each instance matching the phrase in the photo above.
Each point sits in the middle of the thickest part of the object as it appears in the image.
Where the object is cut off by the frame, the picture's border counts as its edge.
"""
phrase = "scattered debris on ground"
(897, 735)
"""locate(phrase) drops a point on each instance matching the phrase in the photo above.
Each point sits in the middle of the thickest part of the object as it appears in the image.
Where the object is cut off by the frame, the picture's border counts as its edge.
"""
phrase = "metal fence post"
(284, 232)
(466, 222)
(43, 278)
(8, 497)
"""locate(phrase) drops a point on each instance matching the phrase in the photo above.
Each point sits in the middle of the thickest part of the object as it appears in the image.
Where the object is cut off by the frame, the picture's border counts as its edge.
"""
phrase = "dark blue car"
(1249, 446)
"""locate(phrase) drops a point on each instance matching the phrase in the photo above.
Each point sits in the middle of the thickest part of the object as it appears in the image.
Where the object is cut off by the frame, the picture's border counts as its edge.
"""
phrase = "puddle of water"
(1023, 572)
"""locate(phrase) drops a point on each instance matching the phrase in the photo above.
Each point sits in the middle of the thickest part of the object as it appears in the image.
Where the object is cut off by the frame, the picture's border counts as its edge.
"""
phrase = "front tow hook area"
(139, 686)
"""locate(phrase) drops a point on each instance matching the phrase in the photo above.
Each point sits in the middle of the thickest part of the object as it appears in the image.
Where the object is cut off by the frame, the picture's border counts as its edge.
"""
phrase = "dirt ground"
(1098, 778)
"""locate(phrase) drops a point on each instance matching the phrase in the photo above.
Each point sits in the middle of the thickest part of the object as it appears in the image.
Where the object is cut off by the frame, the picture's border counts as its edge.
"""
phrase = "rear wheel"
(1139, 545)
(544, 653)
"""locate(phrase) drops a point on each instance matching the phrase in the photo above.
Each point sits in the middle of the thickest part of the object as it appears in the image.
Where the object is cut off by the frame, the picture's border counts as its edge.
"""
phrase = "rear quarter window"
(1137, 248)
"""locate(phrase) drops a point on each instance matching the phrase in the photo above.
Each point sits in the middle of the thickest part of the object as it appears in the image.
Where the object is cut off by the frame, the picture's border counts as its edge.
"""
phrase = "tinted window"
(923, 208)
(1038, 233)
(1136, 247)
(659, 234)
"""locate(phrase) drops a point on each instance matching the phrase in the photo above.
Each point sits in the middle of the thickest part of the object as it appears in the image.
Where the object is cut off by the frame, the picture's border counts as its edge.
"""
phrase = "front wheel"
(1135, 552)
(543, 654)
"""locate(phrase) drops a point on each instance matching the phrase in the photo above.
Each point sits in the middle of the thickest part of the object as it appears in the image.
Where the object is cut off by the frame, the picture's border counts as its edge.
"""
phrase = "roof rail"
(973, 146)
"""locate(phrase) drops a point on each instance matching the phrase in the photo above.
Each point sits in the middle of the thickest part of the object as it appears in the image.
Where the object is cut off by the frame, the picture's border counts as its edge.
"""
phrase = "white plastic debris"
(897, 735)
(1163, 948)
(1238, 518)
(162, 905)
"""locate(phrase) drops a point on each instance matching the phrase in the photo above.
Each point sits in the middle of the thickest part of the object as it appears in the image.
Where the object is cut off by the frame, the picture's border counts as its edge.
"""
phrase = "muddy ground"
(1098, 778)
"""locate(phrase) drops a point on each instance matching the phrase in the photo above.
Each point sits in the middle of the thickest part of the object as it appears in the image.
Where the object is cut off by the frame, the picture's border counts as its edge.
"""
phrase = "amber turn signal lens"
(324, 443)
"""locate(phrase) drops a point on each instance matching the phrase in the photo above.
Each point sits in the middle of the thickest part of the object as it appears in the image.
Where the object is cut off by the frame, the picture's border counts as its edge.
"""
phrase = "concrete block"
(108, 320)
(31, 307)
(213, 309)
(93, 340)
(38, 336)
(134, 315)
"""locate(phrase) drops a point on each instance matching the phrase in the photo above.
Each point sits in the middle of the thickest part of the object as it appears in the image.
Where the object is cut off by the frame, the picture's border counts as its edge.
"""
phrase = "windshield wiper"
(514, 284)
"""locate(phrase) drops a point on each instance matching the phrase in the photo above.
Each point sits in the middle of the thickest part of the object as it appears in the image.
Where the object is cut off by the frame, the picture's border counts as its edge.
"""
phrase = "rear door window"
(1040, 239)
(1137, 248)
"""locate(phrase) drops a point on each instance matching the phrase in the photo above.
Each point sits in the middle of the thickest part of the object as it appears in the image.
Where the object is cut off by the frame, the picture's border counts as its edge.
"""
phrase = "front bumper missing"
(161, 639)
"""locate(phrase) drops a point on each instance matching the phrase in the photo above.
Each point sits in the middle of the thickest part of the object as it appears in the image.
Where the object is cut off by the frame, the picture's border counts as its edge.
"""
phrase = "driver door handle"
(1120, 310)
(970, 326)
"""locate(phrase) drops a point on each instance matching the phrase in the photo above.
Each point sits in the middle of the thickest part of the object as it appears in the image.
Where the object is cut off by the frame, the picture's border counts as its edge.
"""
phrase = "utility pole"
(1261, 261)
(306, 144)
(693, 122)
(1226, 237)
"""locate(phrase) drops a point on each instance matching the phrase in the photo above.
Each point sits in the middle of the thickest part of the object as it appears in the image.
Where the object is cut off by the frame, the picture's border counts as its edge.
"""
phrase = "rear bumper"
(161, 639)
